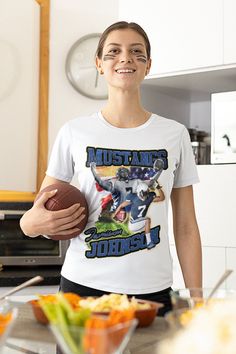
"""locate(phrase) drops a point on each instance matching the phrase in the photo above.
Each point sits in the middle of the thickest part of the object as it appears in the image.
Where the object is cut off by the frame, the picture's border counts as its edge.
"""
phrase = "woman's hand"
(40, 221)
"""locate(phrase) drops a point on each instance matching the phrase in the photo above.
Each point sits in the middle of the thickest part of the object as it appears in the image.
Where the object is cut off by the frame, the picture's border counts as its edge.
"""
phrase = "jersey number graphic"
(141, 209)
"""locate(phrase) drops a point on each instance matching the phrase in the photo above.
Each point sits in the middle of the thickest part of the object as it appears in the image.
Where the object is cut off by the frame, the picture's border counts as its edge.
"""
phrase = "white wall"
(200, 115)
(165, 105)
(19, 63)
(71, 20)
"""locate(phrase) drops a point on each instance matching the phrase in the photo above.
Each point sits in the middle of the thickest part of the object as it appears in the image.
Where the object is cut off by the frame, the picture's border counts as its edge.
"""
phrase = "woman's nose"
(126, 58)
(129, 60)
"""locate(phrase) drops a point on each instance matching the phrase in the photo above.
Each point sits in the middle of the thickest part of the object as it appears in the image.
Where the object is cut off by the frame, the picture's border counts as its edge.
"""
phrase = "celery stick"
(79, 317)
(64, 327)
(49, 310)
(69, 322)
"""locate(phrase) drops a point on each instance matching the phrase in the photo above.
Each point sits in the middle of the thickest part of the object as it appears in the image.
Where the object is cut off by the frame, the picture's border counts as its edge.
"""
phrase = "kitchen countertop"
(12, 276)
(144, 340)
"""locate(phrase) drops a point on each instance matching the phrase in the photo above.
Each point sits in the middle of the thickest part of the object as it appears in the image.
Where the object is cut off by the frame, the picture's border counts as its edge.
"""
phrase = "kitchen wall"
(166, 105)
(19, 67)
(200, 115)
(71, 20)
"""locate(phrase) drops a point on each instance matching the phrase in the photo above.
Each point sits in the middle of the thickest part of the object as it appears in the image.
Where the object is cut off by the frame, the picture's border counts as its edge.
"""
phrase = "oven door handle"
(11, 214)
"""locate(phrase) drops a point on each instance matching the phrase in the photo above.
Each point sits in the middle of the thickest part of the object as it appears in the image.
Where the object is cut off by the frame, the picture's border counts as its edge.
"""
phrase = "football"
(66, 196)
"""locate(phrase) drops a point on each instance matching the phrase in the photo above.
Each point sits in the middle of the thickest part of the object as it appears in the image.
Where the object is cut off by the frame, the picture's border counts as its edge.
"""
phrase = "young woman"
(123, 145)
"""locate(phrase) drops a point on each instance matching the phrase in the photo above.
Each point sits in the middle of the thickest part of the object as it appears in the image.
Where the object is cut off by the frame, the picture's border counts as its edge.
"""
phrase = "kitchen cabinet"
(213, 265)
(231, 264)
(229, 31)
(184, 34)
(178, 281)
(212, 270)
(215, 202)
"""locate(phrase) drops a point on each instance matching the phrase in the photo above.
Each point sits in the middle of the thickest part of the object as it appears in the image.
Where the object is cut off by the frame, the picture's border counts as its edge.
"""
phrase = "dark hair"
(123, 25)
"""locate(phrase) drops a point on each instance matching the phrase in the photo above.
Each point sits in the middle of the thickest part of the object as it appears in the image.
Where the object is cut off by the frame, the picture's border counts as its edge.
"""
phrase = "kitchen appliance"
(223, 127)
(19, 249)
(200, 141)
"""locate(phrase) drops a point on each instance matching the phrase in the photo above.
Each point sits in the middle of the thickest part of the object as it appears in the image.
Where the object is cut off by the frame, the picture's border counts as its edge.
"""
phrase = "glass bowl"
(197, 297)
(178, 319)
(78, 340)
(8, 316)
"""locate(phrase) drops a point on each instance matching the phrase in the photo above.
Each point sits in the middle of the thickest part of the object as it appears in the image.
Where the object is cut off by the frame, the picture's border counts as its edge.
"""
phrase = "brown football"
(66, 196)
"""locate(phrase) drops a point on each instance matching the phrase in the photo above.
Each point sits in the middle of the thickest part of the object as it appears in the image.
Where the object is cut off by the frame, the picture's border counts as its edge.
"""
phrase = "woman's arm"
(120, 207)
(107, 185)
(40, 221)
(187, 237)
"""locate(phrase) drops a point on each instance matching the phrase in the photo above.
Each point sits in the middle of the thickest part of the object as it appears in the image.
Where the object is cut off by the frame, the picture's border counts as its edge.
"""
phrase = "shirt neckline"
(139, 127)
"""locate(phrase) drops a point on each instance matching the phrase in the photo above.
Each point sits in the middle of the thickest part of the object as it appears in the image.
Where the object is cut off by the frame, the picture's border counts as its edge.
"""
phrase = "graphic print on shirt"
(127, 183)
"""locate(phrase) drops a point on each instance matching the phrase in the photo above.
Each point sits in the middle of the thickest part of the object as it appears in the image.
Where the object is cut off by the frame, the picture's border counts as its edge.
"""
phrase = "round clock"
(81, 69)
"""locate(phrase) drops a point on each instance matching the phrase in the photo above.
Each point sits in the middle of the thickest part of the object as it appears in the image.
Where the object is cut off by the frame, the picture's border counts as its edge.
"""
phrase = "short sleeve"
(61, 164)
(186, 171)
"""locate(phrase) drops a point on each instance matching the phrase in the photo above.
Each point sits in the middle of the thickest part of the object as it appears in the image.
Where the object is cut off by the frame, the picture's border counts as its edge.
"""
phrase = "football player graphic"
(139, 203)
(119, 187)
(124, 183)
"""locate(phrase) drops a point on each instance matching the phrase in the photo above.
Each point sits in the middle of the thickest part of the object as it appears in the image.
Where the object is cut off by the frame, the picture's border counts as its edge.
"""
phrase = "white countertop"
(29, 293)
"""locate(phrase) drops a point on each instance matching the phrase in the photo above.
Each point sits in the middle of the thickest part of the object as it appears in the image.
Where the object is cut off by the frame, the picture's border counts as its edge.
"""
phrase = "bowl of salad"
(107, 339)
(80, 331)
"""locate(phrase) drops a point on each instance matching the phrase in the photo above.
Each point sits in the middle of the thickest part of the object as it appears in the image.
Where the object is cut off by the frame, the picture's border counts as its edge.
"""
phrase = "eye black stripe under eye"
(109, 57)
(142, 58)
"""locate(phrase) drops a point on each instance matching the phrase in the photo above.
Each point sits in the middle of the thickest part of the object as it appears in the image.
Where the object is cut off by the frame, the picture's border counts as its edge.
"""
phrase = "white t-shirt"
(107, 255)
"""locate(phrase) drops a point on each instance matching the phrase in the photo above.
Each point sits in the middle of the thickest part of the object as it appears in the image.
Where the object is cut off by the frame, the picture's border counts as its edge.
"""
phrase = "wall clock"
(81, 70)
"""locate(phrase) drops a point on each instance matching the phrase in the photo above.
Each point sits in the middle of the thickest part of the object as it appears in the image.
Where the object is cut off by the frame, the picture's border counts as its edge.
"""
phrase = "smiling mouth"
(125, 71)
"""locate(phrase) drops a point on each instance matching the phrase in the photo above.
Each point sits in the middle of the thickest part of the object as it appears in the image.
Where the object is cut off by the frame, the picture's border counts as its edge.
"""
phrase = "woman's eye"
(136, 51)
(114, 51)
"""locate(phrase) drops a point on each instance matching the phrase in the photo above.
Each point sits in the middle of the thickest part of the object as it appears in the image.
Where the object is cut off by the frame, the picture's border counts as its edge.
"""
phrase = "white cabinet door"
(178, 281)
(213, 264)
(231, 264)
(229, 31)
(184, 34)
(215, 202)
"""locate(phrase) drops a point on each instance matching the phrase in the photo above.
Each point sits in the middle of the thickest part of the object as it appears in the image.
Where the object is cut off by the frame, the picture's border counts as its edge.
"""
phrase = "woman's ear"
(149, 63)
(99, 65)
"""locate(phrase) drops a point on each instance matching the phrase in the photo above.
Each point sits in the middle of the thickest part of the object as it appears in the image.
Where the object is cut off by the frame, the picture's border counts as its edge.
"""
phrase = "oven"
(18, 249)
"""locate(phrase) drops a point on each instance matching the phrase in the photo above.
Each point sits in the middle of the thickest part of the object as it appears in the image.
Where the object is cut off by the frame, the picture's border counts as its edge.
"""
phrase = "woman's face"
(124, 59)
